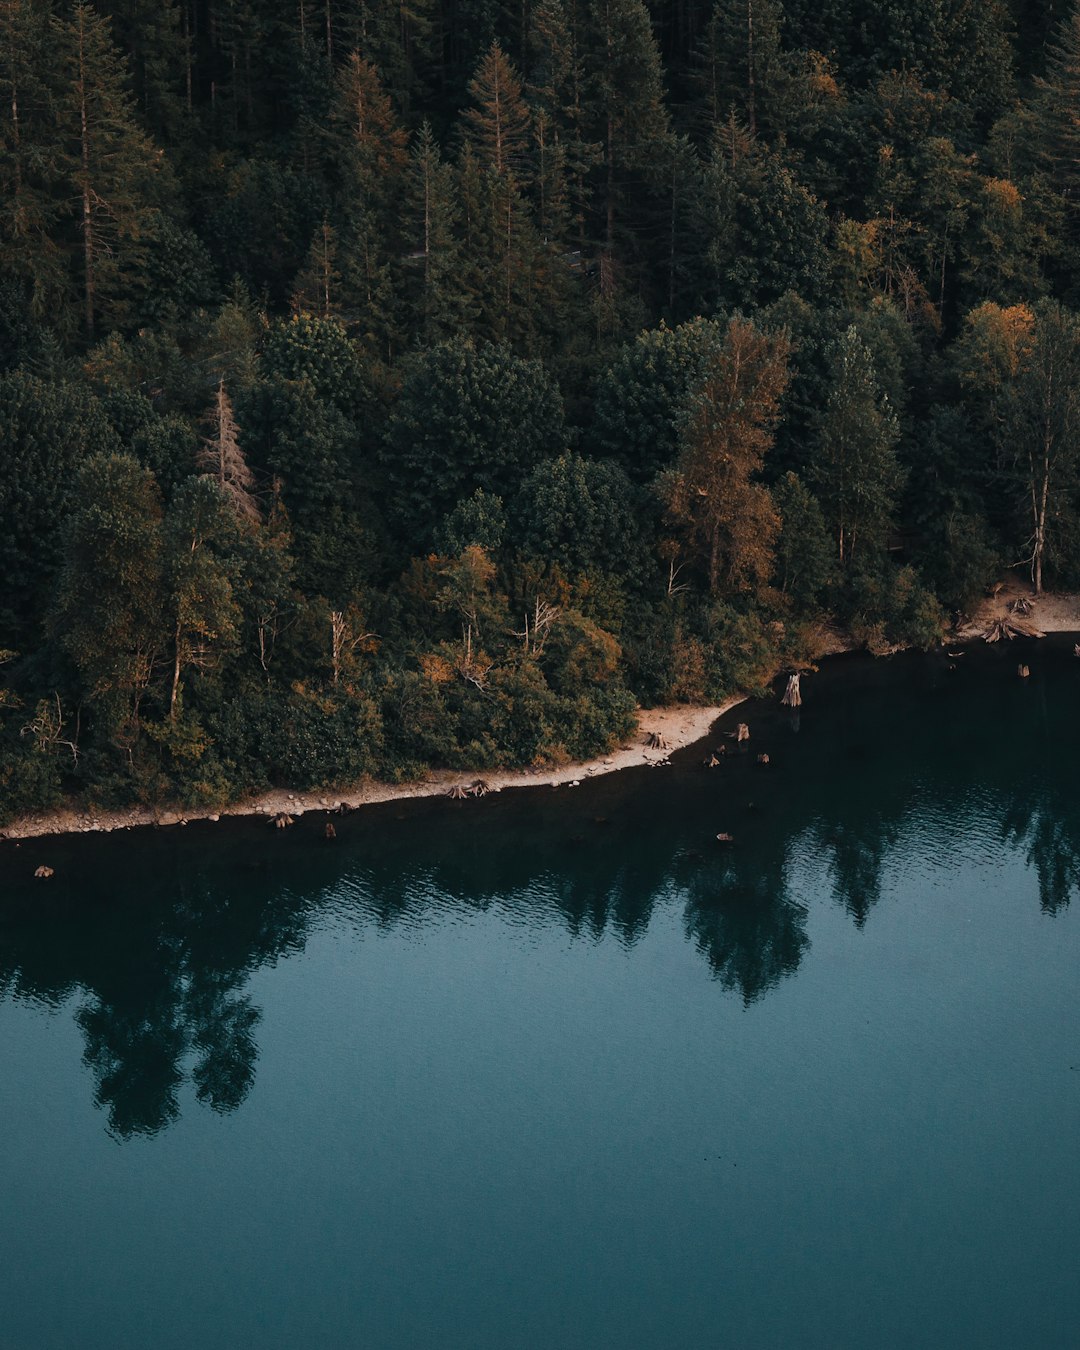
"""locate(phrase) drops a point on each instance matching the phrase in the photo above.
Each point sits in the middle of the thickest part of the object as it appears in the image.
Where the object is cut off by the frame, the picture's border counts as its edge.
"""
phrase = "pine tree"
(29, 154)
(557, 93)
(713, 500)
(369, 159)
(433, 267)
(497, 142)
(856, 469)
(317, 287)
(741, 63)
(627, 108)
(498, 123)
(198, 565)
(110, 164)
(1058, 101)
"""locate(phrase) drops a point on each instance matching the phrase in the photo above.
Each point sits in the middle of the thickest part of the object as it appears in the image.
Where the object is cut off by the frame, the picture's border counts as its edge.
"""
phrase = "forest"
(387, 386)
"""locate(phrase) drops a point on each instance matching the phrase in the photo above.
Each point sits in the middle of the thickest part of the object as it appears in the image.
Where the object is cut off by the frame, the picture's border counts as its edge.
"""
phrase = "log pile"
(1011, 628)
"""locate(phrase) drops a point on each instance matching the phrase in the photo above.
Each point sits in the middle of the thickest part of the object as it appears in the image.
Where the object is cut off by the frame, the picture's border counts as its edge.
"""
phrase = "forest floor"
(678, 726)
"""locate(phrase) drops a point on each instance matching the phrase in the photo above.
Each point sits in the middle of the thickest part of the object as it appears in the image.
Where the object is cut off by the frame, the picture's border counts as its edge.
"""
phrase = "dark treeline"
(385, 386)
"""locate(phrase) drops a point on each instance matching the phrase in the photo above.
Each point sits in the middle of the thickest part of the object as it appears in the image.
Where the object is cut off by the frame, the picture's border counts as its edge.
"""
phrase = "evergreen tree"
(434, 264)
(856, 471)
(714, 503)
(109, 162)
(30, 199)
(109, 609)
(1042, 429)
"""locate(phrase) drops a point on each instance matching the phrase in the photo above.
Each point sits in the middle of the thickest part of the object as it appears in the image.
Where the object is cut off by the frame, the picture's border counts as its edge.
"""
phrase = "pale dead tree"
(473, 669)
(49, 730)
(674, 585)
(347, 637)
(222, 459)
(537, 627)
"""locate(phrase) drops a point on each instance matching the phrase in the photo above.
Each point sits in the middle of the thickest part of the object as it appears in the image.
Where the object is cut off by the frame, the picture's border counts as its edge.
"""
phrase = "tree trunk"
(87, 200)
(176, 674)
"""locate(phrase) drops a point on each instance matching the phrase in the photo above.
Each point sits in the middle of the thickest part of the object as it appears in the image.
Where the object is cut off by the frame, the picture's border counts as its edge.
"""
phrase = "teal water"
(554, 1069)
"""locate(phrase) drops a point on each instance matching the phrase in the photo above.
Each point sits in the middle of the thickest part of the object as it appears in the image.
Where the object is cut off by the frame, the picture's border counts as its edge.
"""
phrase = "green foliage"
(583, 516)
(48, 431)
(857, 475)
(643, 395)
(467, 417)
(804, 554)
(468, 276)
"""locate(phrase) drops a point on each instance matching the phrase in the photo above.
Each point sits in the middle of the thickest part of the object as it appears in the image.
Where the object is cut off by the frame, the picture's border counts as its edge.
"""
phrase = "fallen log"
(1008, 629)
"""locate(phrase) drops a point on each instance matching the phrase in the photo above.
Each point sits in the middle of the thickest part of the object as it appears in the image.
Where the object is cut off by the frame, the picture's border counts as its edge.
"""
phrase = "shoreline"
(679, 725)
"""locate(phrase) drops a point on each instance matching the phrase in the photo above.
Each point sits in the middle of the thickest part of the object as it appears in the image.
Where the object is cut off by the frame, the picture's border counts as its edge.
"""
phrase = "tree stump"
(43, 873)
(793, 693)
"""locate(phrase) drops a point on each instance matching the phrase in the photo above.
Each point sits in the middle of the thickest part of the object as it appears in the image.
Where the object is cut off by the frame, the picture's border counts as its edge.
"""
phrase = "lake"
(556, 1069)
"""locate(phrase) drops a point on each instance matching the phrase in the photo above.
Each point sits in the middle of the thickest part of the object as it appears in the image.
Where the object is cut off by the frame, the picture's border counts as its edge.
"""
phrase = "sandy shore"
(678, 726)
(1057, 612)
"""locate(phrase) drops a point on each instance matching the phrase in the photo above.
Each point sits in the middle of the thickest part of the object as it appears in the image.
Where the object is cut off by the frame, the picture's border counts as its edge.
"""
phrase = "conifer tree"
(317, 287)
(29, 154)
(433, 267)
(856, 469)
(110, 164)
(498, 122)
(713, 498)
(627, 109)
(369, 160)
(1058, 101)
(741, 63)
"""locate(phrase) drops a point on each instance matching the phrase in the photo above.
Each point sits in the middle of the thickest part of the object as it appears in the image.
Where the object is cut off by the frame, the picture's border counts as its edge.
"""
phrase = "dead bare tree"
(346, 638)
(222, 458)
(47, 728)
(535, 632)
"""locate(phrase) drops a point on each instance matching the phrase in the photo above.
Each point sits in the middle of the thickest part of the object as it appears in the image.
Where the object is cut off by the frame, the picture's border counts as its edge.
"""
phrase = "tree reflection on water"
(157, 936)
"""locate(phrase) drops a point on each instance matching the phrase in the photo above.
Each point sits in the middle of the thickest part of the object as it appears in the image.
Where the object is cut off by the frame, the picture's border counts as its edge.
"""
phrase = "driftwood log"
(43, 873)
(1009, 629)
(793, 693)
(283, 821)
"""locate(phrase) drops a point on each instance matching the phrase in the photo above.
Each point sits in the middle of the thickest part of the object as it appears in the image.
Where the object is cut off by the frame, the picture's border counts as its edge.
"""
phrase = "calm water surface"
(556, 1070)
